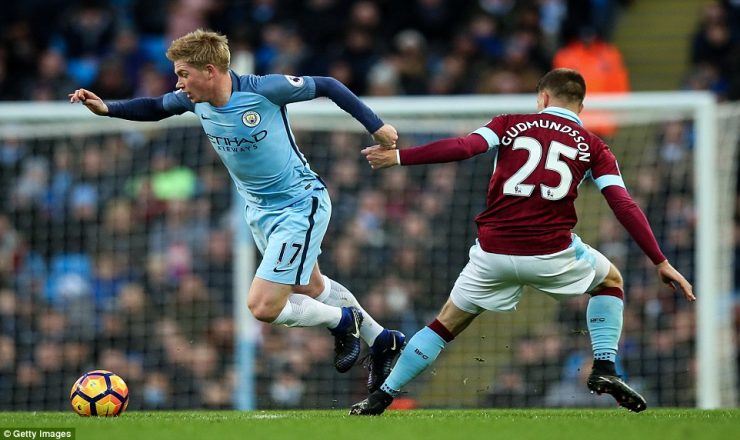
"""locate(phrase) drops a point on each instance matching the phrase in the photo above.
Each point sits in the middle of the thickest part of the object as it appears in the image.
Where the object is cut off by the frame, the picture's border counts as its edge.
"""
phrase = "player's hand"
(675, 280)
(89, 100)
(386, 136)
(380, 157)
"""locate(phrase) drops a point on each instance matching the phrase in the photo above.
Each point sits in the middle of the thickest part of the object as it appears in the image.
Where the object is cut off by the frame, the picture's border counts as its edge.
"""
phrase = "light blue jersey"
(252, 136)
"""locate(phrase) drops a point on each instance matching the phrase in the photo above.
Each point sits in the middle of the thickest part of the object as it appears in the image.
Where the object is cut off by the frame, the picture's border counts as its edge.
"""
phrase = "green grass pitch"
(570, 424)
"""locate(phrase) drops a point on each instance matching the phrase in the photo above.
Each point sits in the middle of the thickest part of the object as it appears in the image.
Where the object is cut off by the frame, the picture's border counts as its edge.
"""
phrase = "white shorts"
(496, 282)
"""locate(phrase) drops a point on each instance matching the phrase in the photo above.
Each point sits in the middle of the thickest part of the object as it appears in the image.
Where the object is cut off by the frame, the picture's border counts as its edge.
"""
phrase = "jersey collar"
(234, 81)
(563, 113)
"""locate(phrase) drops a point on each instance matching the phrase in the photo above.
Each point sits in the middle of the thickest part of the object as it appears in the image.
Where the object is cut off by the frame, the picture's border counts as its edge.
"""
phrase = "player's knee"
(263, 310)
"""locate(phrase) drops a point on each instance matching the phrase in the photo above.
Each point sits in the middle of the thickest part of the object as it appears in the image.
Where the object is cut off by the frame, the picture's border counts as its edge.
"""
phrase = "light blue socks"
(420, 352)
(604, 318)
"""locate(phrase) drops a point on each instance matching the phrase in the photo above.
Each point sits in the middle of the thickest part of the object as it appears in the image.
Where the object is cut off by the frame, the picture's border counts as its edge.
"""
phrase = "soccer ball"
(99, 393)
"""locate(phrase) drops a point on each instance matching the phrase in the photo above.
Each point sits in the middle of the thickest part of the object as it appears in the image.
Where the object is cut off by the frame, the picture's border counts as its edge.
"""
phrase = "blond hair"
(199, 48)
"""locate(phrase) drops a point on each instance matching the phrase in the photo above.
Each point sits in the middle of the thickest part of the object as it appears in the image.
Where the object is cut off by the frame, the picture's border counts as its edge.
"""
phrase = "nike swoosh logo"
(606, 379)
(393, 347)
(204, 117)
(276, 270)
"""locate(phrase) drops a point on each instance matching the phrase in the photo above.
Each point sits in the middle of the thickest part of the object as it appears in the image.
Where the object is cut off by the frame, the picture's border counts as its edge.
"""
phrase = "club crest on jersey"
(251, 118)
(295, 81)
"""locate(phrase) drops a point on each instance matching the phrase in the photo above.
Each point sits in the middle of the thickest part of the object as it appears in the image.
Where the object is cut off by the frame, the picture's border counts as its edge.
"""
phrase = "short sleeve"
(284, 89)
(605, 170)
(492, 131)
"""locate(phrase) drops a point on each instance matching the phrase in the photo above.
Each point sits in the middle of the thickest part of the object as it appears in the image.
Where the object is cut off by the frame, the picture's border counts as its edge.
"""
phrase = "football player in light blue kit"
(288, 206)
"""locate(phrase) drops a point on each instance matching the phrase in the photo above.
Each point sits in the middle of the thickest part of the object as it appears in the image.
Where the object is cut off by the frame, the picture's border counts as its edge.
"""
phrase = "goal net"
(123, 247)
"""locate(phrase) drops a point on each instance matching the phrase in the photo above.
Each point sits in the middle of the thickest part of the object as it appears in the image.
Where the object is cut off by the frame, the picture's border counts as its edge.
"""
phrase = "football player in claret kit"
(525, 233)
(287, 204)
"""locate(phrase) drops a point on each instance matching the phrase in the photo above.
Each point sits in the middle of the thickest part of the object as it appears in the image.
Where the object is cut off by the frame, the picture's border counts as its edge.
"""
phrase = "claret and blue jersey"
(252, 135)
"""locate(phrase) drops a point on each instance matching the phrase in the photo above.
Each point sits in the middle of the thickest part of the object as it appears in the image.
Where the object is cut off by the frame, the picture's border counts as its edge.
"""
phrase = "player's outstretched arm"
(669, 275)
(349, 102)
(89, 100)
(136, 109)
(441, 151)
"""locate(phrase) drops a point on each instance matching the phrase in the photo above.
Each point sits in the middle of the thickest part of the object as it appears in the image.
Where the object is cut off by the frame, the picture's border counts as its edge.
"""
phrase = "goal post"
(398, 238)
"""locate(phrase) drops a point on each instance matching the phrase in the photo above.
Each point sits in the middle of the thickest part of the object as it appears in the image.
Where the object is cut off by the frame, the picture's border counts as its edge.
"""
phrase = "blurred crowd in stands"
(116, 250)
(376, 47)
(715, 51)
